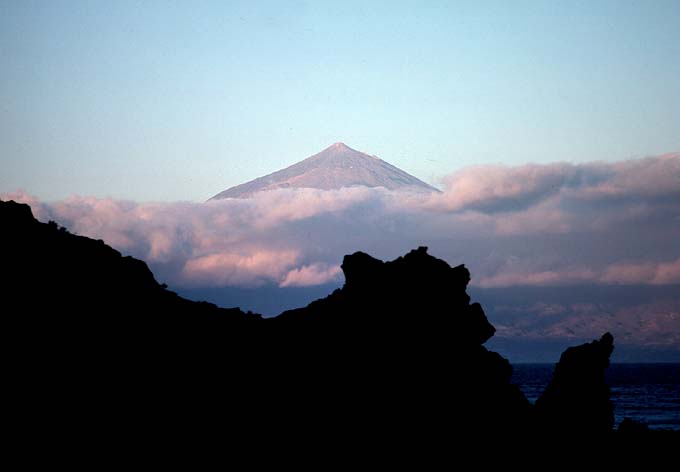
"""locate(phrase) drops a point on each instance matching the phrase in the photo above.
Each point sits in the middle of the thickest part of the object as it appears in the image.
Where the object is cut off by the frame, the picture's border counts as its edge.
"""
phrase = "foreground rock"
(402, 345)
(398, 351)
(577, 398)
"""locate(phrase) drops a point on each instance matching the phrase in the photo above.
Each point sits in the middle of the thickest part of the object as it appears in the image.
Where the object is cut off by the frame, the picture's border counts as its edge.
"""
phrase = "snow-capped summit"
(335, 167)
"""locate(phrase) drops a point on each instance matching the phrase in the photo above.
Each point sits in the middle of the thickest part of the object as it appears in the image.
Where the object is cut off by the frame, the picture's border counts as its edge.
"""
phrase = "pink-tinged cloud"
(564, 276)
(643, 273)
(315, 274)
(555, 224)
(667, 273)
(630, 179)
(492, 188)
(268, 209)
(227, 268)
(543, 218)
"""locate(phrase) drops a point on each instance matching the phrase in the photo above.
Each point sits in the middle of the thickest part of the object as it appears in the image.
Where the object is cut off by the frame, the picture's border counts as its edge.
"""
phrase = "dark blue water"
(649, 393)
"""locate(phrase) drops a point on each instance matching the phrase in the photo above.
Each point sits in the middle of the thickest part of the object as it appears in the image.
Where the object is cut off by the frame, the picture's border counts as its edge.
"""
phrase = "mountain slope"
(335, 167)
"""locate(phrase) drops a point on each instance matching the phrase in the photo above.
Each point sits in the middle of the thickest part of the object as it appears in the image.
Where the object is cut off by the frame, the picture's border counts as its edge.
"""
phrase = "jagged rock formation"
(577, 398)
(406, 336)
(397, 351)
(335, 167)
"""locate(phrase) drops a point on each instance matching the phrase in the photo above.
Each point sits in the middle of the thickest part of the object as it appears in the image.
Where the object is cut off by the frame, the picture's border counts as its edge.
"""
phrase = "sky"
(552, 129)
(168, 101)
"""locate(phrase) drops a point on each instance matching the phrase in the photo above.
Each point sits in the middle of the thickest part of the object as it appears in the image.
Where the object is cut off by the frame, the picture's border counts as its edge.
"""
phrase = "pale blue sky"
(151, 100)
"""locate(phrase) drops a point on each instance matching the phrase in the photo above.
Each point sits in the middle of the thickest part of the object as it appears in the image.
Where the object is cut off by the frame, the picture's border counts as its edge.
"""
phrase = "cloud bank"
(554, 224)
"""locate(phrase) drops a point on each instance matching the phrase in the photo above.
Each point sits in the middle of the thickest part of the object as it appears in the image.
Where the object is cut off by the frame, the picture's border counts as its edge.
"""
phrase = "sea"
(648, 393)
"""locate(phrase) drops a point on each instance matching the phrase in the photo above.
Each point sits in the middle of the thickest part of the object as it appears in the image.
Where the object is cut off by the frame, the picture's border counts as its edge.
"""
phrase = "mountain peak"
(340, 146)
(335, 167)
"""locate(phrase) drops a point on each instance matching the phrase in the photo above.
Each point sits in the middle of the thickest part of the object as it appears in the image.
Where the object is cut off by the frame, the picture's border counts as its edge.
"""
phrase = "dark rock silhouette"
(577, 398)
(406, 336)
(630, 426)
(85, 327)
(57, 280)
(397, 351)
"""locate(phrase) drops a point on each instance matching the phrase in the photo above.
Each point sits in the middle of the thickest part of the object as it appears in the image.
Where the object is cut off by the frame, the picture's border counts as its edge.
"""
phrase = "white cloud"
(315, 274)
(499, 188)
(228, 268)
(643, 273)
(533, 225)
